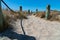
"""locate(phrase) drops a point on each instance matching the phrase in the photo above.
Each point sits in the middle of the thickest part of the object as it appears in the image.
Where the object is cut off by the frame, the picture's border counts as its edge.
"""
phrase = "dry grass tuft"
(40, 14)
(8, 17)
(54, 15)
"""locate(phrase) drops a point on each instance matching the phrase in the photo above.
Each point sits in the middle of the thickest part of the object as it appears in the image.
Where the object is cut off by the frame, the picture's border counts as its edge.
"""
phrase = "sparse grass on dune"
(54, 15)
(13, 15)
(40, 14)
(8, 17)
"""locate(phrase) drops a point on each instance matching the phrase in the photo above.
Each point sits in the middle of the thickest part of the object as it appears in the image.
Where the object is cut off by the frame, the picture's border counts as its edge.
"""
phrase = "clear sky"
(32, 4)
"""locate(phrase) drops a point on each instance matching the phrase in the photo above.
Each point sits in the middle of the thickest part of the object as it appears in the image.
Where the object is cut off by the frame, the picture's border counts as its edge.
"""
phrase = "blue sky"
(32, 4)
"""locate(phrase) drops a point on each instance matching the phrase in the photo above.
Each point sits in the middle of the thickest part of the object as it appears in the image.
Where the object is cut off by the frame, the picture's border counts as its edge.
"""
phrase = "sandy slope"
(39, 28)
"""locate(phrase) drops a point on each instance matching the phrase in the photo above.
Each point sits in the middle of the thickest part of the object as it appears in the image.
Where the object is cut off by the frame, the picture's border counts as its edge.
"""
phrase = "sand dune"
(39, 28)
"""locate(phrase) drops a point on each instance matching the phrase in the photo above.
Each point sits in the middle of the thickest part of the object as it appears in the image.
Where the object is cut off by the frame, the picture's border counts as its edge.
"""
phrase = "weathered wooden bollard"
(1, 19)
(29, 11)
(47, 12)
(20, 8)
(20, 11)
(36, 10)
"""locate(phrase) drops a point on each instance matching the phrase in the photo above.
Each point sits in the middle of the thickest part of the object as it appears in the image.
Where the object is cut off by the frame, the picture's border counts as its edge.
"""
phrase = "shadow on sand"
(9, 33)
(13, 35)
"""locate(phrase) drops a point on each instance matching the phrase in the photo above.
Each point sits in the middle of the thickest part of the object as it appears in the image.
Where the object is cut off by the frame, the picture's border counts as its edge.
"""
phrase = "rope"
(22, 27)
(8, 6)
(15, 12)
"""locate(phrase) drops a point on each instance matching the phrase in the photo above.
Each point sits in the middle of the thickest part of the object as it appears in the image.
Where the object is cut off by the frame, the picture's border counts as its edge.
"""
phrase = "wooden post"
(36, 10)
(20, 13)
(29, 11)
(1, 19)
(20, 8)
(47, 12)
